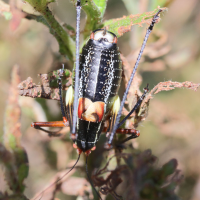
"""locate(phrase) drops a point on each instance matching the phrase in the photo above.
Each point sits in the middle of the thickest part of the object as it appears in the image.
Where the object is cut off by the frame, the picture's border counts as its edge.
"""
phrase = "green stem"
(66, 39)
(94, 17)
(66, 43)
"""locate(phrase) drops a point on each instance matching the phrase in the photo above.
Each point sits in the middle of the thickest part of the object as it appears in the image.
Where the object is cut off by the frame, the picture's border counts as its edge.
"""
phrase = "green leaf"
(169, 168)
(54, 76)
(23, 172)
(11, 141)
(94, 16)
(94, 10)
(21, 163)
(122, 25)
(101, 4)
(7, 15)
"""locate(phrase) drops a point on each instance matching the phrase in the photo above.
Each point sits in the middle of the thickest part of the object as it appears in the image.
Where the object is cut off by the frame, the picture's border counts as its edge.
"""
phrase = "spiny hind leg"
(134, 133)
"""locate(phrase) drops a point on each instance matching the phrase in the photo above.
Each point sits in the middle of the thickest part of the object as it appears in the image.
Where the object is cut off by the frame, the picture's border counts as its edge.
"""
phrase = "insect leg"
(146, 89)
(58, 124)
(78, 10)
(134, 133)
(155, 18)
(61, 100)
(50, 133)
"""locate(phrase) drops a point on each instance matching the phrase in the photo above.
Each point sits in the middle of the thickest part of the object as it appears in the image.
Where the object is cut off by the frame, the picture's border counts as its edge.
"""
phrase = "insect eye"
(103, 39)
(103, 34)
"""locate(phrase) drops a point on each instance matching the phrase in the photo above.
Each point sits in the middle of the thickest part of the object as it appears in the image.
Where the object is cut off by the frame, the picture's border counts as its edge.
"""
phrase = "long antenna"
(155, 18)
(86, 169)
(78, 11)
(57, 180)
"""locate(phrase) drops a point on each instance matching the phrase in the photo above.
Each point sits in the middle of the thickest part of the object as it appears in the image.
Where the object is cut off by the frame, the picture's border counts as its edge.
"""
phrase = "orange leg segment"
(54, 124)
(60, 124)
(125, 131)
(48, 124)
(132, 132)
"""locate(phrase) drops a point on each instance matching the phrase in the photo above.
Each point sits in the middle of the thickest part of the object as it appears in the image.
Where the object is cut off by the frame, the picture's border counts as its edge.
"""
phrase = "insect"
(93, 97)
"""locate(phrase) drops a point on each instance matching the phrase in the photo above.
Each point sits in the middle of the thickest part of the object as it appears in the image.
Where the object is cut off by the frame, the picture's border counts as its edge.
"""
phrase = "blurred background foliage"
(172, 128)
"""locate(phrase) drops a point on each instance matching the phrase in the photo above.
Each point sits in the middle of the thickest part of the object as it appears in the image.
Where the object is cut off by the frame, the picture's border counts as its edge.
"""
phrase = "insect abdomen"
(100, 71)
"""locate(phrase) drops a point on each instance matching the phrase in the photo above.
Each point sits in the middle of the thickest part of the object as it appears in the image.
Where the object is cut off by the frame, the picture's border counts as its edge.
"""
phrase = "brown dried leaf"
(162, 86)
(38, 91)
(170, 85)
(112, 180)
(48, 89)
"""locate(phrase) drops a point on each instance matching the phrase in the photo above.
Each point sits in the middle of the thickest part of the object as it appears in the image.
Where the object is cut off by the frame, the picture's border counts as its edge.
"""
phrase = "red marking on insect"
(75, 146)
(90, 111)
(92, 35)
(115, 40)
(79, 151)
(93, 148)
(87, 152)
(83, 104)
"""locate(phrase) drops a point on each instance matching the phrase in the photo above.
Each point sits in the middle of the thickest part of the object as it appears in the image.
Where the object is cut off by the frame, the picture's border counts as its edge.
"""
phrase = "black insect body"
(99, 81)
(93, 98)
